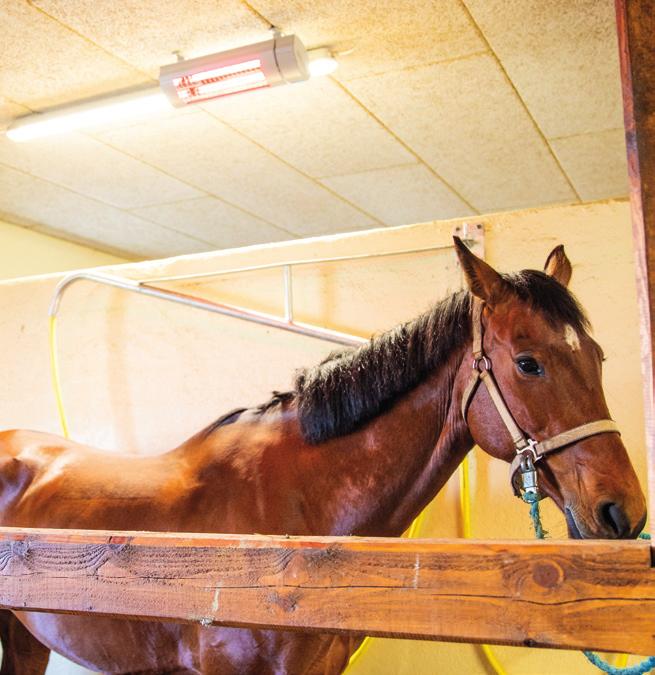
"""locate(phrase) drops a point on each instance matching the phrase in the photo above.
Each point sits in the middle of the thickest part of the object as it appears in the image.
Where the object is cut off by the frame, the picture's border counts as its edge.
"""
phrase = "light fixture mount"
(276, 61)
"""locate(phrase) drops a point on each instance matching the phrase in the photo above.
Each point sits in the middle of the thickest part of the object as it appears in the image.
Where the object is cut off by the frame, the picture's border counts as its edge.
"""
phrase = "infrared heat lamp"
(281, 60)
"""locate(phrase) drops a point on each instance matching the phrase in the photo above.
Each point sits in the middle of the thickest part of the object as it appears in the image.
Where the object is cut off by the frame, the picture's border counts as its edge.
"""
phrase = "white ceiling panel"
(95, 170)
(374, 37)
(315, 126)
(562, 57)
(439, 108)
(596, 163)
(45, 63)
(10, 111)
(214, 221)
(145, 33)
(468, 125)
(400, 195)
(35, 202)
(201, 150)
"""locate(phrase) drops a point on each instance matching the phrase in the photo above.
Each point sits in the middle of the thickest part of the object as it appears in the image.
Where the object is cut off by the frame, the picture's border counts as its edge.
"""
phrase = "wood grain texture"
(636, 27)
(597, 595)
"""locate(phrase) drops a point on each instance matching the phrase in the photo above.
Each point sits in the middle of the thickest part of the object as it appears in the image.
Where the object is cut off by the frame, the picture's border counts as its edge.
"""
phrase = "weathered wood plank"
(636, 27)
(597, 595)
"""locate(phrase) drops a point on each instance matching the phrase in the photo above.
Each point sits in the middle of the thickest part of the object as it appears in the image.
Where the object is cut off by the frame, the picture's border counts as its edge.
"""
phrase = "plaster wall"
(25, 252)
(142, 375)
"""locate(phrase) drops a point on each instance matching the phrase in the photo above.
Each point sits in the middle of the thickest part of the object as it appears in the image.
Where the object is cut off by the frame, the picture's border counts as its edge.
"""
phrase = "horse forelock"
(557, 304)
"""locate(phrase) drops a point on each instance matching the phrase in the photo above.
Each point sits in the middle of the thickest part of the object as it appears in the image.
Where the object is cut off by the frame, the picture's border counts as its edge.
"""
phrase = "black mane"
(352, 386)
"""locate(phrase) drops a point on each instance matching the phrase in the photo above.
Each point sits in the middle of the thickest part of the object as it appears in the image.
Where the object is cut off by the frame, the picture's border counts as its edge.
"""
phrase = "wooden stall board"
(584, 594)
(572, 594)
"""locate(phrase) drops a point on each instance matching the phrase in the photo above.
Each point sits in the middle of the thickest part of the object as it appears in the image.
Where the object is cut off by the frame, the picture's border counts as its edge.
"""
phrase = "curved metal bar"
(145, 287)
(295, 263)
(232, 311)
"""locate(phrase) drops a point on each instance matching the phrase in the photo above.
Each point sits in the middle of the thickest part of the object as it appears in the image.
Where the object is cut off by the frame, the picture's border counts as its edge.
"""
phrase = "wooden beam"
(597, 595)
(636, 28)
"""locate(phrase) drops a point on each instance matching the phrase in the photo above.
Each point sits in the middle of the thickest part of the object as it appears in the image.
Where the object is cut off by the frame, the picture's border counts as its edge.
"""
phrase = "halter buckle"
(531, 447)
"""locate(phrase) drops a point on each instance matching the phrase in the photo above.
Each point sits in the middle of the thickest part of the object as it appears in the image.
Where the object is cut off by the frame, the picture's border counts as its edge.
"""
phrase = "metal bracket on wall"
(472, 234)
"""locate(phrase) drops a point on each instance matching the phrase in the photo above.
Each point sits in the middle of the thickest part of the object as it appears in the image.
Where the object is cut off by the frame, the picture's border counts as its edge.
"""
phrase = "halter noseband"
(528, 451)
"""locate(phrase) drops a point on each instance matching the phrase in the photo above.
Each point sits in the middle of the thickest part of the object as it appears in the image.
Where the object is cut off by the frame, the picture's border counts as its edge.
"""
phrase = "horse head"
(537, 353)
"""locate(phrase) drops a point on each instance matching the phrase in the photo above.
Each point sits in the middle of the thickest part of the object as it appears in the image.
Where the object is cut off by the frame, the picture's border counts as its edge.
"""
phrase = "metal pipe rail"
(287, 323)
(299, 263)
(233, 311)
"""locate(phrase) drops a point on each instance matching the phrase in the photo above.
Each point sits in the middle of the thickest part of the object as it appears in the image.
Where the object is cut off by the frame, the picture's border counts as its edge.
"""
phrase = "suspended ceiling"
(439, 109)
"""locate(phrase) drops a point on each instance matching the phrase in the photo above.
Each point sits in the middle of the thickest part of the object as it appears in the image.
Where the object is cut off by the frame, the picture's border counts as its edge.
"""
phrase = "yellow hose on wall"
(467, 532)
(54, 373)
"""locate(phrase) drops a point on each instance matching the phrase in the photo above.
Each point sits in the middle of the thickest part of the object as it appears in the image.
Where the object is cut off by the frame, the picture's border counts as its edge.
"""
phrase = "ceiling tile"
(147, 32)
(595, 163)
(9, 111)
(45, 64)
(464, 120)
(32, 201)
(313, 125)
(562, 56)
(213, 220)
(400, 195)
(203, 151)
(95, 170)
(379, 36)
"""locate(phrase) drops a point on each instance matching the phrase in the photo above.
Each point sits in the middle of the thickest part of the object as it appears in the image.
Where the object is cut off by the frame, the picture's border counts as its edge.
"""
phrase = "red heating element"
(221, 81)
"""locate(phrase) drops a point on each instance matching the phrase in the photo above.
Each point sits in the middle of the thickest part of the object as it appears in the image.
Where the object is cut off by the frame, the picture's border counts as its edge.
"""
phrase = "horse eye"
(529, 366)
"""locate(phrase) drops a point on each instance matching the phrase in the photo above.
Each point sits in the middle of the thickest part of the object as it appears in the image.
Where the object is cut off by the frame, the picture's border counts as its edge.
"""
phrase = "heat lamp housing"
(280, 60)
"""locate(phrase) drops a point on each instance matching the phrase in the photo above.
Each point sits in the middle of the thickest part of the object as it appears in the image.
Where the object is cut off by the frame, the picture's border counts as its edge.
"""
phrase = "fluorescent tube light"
(321, 62)
(88, 113)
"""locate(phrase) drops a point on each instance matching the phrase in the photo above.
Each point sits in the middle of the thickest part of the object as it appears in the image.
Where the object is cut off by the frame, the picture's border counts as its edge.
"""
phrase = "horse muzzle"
(610, 522)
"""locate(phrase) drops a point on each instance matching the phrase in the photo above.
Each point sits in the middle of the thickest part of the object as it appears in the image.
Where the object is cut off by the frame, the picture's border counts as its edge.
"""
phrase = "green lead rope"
(644, 666)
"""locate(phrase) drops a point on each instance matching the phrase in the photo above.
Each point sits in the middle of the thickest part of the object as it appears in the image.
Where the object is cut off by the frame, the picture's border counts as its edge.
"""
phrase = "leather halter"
(528, 450)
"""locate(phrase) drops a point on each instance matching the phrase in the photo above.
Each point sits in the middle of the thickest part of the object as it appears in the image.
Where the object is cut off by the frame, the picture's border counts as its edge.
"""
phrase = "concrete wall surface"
(24, 252)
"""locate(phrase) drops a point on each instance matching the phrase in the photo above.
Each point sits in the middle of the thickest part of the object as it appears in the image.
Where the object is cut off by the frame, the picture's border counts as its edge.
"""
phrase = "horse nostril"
(612, 515)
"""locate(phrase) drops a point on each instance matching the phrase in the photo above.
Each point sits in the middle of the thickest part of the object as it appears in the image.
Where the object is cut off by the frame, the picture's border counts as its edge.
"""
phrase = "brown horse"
(366, 439)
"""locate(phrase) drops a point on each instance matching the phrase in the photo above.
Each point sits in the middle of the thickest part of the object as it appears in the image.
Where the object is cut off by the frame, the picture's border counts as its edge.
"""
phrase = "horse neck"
(376, 481)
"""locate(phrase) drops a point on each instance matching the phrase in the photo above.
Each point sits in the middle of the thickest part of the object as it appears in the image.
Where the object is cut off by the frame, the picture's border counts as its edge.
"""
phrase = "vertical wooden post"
(636, 32)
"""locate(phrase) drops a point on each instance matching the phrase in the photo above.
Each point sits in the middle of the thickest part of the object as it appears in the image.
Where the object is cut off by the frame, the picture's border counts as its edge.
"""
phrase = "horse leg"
(22, 653)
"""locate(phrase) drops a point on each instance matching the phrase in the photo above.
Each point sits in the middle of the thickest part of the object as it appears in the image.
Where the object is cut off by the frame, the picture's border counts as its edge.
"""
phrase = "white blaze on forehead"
(571, 338)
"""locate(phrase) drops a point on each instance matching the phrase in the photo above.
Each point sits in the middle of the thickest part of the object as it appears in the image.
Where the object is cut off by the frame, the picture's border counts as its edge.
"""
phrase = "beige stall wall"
(24, 252)
(141, 375)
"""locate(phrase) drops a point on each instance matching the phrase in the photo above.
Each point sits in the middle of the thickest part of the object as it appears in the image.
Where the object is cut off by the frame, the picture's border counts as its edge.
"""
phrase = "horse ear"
(482, 279)
(558, 266)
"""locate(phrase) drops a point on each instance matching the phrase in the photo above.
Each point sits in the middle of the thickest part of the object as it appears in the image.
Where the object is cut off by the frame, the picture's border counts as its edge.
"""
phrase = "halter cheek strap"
(528, 450)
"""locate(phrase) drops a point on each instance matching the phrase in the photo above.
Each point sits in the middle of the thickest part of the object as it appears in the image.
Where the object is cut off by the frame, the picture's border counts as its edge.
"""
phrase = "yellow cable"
(54, 372)
(621, 661)
(465, 498)
(467, 530)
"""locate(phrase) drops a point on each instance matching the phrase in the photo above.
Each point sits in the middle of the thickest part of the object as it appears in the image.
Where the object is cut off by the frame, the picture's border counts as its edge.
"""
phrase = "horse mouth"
(574, 532)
